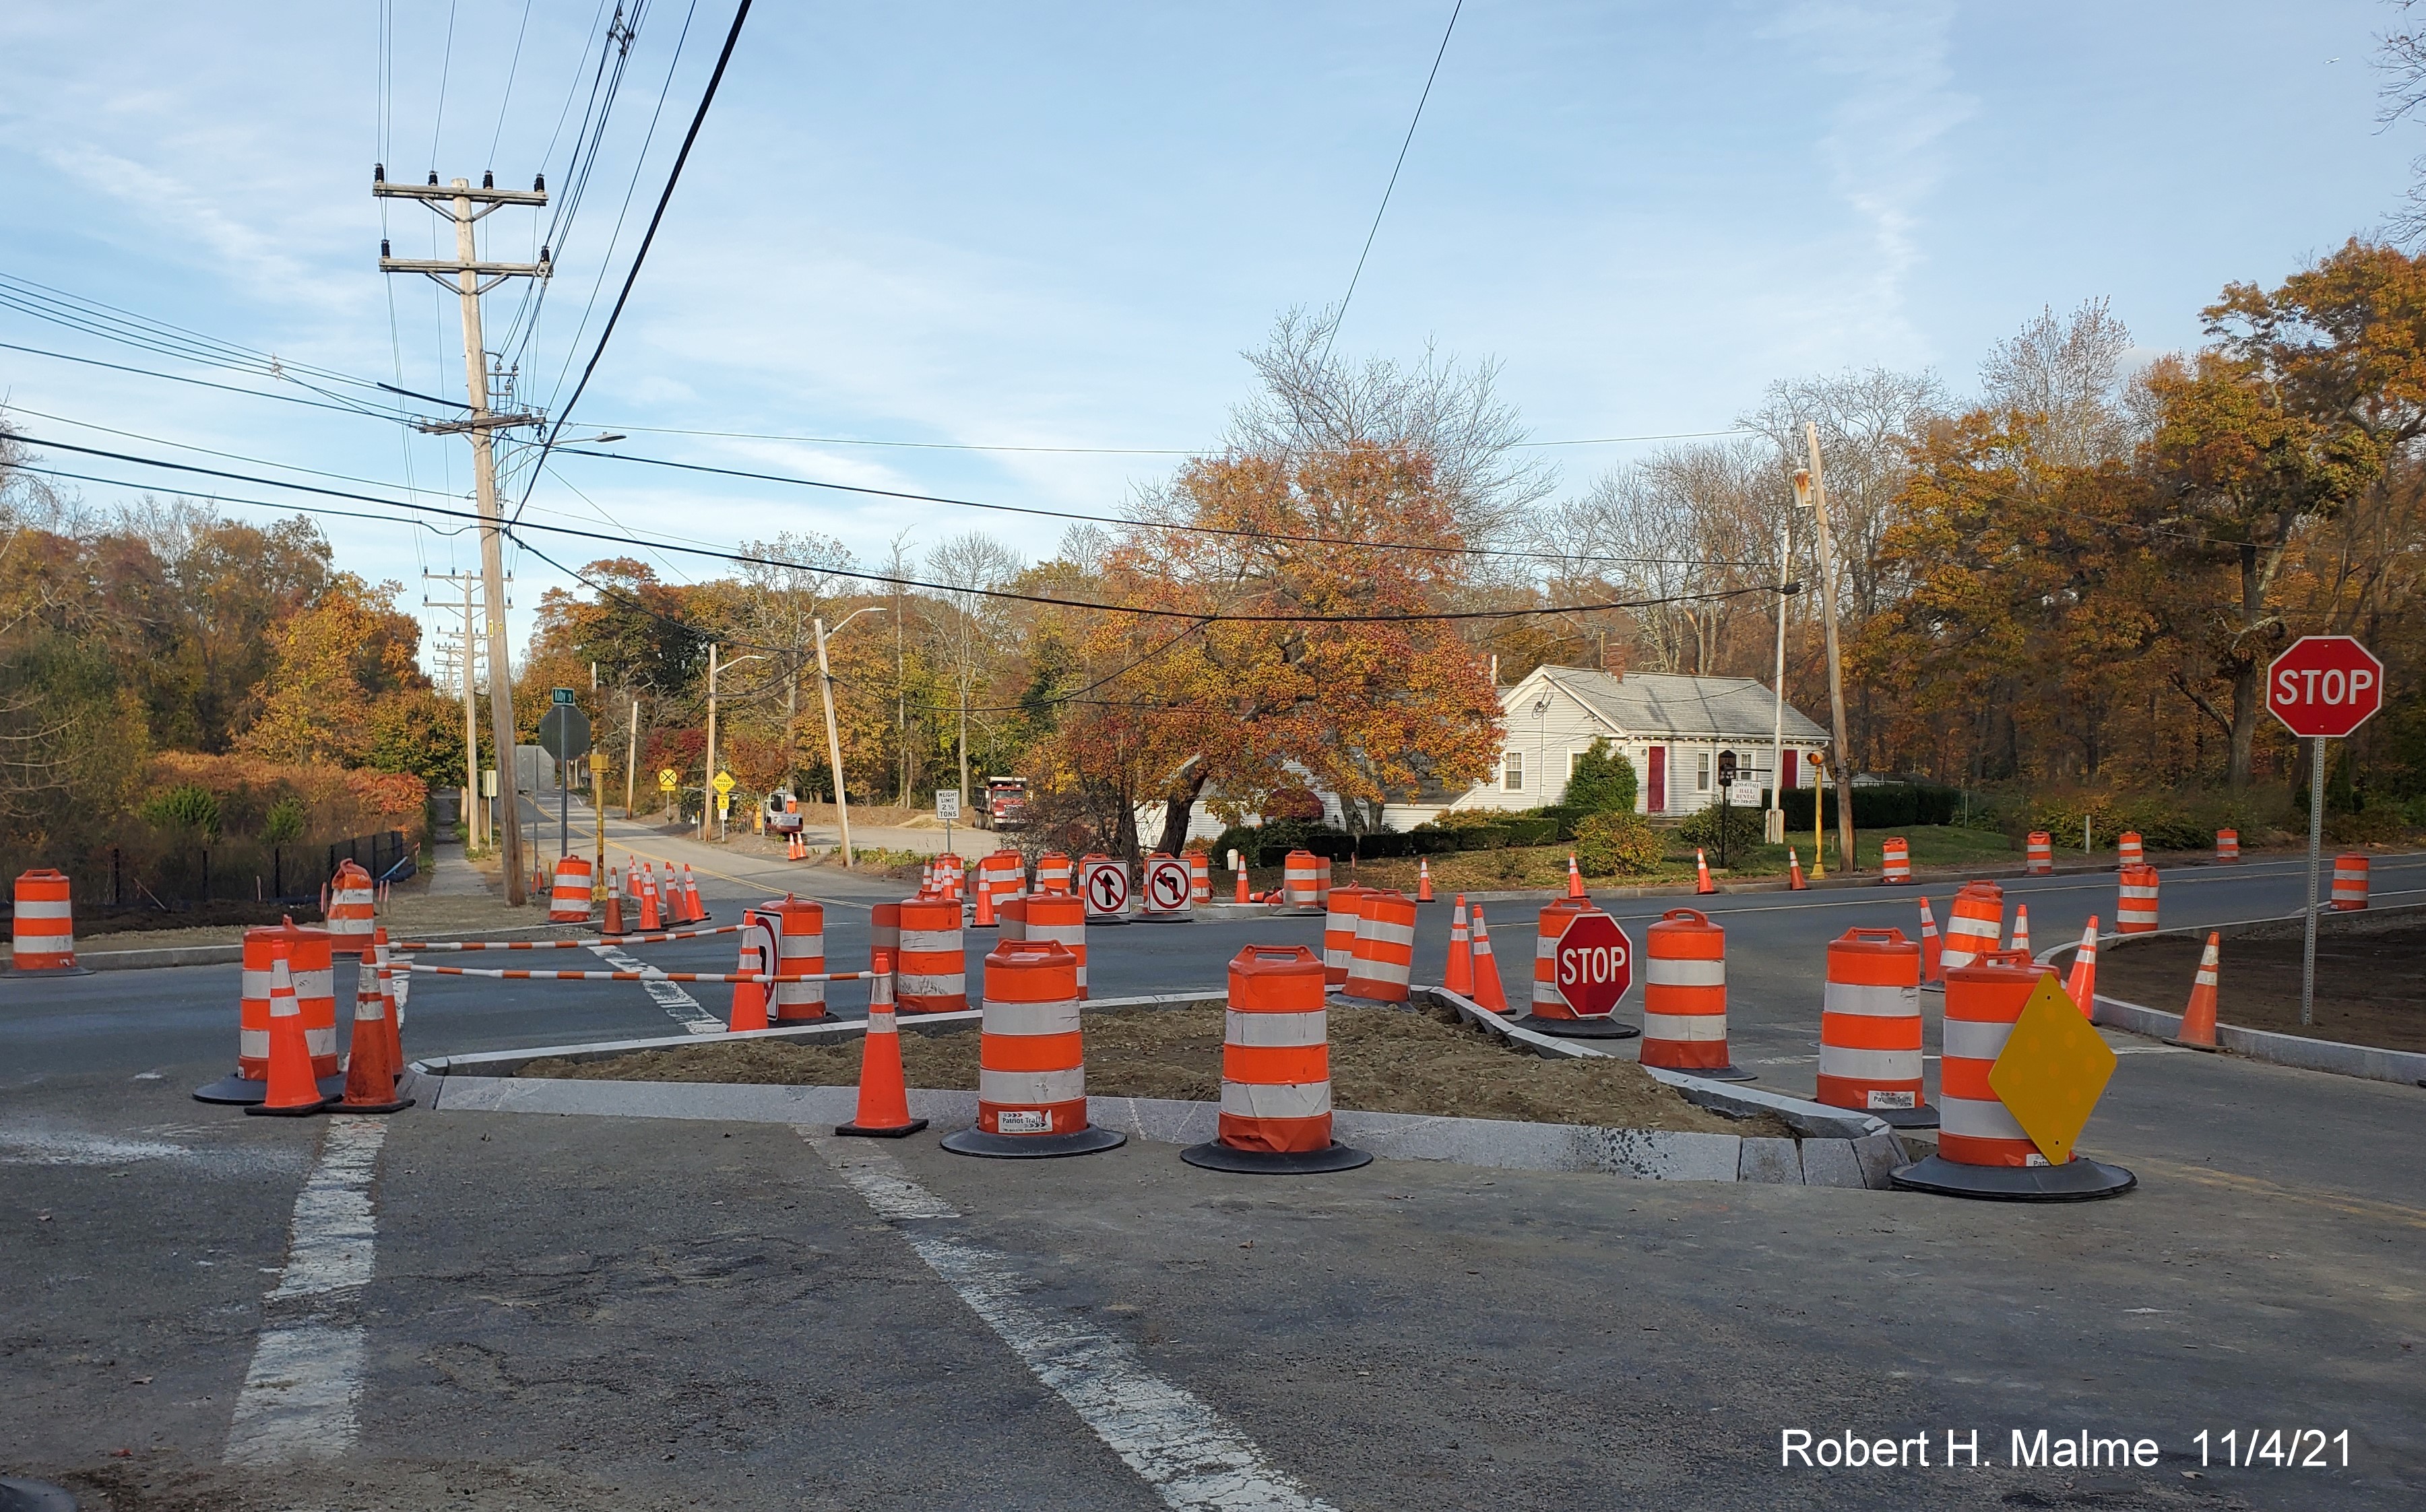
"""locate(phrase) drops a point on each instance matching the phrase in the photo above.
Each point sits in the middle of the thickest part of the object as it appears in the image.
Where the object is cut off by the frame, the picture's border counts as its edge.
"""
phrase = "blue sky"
(1058, 226)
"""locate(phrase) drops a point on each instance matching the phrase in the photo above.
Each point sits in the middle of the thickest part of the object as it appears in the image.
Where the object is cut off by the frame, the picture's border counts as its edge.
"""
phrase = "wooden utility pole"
(631, 757)
(1819, 490)
(708, 776)
(474, 829)
(471, 279)
(833, 744)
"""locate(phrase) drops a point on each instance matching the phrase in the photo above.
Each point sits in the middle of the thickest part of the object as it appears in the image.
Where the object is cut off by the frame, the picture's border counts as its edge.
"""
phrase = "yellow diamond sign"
(723, 784)
(2053, 1070)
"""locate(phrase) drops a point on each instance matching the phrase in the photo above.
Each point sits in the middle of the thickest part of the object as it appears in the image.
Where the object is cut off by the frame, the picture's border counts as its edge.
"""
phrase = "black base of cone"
(34, 1496)
(6, 971)
(2077, 1181)
(1216, 1156)
(899, 1131)
(1714, 1073)
(1923, 1116)
(234, 1090)
(1087, 1141)
(343, 1106)
(1578, 1028)
(301, 1110)
(2212, 1050)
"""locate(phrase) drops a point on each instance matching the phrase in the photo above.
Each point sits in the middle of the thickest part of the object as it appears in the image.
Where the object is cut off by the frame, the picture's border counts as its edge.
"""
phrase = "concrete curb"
(2406, 1066)
(1838, 1148)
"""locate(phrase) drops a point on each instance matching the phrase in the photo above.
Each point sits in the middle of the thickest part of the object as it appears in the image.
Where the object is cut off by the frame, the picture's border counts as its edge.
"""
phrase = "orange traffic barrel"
(799, 951)
(1011, 916)
(568, 896)
(1275, 1116)
(933, 968)
(310, 964)
(1894, 860)
(1200, 877)
(1340, 914)
(2042, 854)
(2135, 908)
(1061, 918)
(2126, 850)
(1685, 996)
(1300, 881)
(2349, 882)
(2227, 845)
(291, 1090)
(1869, 1028)
(350, 925)
(44, 939)
(1053, 871)
(1031, 1059)
(1551, 1013)
(1981, 1150)
(1383, 961)
(1976, 926)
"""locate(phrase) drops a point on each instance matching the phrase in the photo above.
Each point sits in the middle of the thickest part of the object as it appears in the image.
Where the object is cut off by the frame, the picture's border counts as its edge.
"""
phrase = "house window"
(1702, 773)
(1573, 757)
(1512, 772)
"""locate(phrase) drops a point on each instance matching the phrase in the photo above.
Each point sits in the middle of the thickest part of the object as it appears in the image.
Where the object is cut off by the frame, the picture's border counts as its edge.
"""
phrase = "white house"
(1673, 728)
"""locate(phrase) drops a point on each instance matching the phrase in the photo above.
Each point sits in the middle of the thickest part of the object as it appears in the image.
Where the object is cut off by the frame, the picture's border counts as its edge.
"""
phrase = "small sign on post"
(667, 780)
(948, 807)
(2321, 688)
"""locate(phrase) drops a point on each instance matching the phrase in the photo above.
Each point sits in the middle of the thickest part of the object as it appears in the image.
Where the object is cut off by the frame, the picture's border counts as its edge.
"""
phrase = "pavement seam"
(306, 1374)
(1193, 1457)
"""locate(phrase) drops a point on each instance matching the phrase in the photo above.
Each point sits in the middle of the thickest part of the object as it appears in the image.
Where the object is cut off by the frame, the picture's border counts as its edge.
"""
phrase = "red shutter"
(1656, 801)
(1793, 773)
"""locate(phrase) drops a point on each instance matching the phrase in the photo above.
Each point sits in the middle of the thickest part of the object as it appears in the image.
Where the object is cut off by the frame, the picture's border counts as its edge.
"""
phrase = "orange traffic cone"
(749, 1009)
(1424, 879)
(1931, 970)
(614, 922)
(691, 897)
(370, 1070)
(985, 919)
(1575, 878)
(1457, 976)
(1701, 870)
(651, 919)
(883, 1098)
(1238, 876)
(291, 1092)
(1794, 872)
(2021, 939)
(1488, 994)
(2082, 987)
(2198, 1019)
(391, 1010)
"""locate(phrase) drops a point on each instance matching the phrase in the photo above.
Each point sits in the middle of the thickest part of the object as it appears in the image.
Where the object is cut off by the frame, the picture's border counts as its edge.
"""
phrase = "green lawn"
(1929, 846)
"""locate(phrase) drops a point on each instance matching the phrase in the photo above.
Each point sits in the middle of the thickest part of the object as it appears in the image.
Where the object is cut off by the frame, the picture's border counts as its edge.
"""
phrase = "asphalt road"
(568, 1312)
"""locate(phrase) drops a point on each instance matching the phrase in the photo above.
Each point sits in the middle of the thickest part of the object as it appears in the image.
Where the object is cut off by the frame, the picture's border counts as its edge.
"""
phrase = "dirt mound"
(1382, 1060)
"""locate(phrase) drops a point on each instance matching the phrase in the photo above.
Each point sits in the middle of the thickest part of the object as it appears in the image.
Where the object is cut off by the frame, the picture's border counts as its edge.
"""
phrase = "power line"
(890, 580)
(205, 383)
(513, 67)
(1153, 525)
(1383, 207)
(699, 117)
(1099, 451)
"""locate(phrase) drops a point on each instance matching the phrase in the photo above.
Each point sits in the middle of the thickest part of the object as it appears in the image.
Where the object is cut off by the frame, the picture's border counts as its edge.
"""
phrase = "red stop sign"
(2324, 686)
(1594, 964)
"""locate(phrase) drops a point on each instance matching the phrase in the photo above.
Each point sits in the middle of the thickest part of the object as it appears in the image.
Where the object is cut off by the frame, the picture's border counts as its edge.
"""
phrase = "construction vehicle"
(1006, 803)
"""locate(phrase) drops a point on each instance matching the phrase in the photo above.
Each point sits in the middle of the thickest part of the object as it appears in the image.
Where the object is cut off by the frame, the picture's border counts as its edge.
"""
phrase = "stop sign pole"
(2321, 688)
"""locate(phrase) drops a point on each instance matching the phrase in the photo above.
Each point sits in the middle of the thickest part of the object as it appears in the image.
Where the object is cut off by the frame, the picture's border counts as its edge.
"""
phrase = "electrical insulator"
(379, 172)
(433, 178)
(384, 251)
(488, 181)
(539, 183)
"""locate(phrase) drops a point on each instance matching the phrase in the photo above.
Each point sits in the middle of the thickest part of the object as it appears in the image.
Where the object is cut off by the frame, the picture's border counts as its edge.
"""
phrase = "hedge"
(1893, 806)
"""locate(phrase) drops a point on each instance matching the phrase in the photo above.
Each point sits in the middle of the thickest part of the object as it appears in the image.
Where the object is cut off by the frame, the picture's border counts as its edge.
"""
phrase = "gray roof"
(1658, 704)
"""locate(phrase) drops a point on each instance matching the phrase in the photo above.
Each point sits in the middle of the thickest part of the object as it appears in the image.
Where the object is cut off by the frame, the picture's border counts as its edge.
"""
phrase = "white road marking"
(680, 1006)
(1191, 1456)
(306, 1374)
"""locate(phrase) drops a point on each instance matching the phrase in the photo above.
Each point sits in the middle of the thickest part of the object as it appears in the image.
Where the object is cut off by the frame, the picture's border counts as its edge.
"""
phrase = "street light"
(708, 780)
(833, 738)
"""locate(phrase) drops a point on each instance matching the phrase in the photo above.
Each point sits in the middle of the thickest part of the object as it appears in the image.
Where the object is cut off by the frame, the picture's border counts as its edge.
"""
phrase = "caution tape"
(564, 944)
(508, 974)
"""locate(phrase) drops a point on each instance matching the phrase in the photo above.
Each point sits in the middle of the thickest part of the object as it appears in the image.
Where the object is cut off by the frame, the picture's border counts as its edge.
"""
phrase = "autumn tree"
(332, 663)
